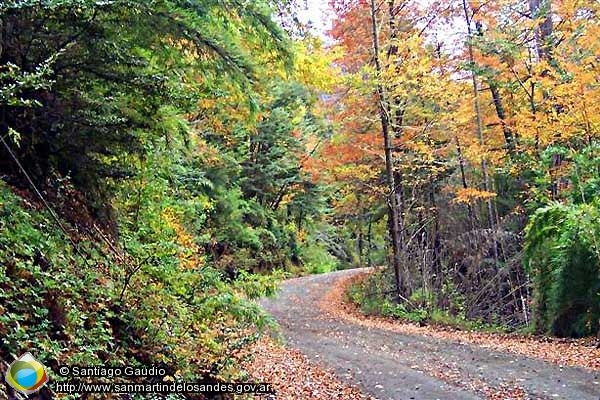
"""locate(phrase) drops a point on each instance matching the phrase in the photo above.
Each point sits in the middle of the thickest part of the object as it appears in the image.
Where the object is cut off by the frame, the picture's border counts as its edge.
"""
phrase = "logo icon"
(26, 374)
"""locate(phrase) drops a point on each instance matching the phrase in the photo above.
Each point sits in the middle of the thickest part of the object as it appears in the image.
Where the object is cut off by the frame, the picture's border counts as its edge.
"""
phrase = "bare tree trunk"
(479, 126)
(509, 136)
(541, 9)
(396, 108)
(463, 176)
(435, 238)
(360, 239)
(370, 243)
(389, 164)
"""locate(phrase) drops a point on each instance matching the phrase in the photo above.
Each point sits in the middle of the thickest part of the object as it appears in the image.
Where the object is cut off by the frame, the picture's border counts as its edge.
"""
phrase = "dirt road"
(390, 365)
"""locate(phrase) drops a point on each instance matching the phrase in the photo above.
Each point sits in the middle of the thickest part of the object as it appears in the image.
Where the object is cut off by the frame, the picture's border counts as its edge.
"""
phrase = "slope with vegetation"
(151, 158)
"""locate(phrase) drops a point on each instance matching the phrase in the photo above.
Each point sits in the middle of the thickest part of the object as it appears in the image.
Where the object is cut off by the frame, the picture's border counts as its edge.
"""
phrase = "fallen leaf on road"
(294, 377)
(568, 352)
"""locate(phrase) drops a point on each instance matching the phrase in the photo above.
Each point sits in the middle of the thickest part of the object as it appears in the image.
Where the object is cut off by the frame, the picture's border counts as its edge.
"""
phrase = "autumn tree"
(484, 104)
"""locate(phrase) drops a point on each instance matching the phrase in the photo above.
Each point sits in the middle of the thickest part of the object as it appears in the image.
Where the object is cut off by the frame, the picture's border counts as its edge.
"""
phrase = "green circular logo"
(26, 374)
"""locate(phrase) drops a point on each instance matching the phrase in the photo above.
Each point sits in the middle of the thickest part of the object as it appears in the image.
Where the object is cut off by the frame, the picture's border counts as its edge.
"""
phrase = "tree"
(389, 162)
(109, 88)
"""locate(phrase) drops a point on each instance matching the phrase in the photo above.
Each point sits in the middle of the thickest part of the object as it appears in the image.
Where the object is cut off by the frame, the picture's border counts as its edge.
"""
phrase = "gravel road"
(389, 365)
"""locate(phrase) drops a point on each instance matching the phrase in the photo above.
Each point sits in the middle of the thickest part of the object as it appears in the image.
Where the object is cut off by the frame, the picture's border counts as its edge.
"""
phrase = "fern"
(562, 256)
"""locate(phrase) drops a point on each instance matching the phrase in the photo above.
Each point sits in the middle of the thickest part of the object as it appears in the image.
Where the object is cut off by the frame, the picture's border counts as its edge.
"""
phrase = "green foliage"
(263, 200)
(395, 310)
(563, 257)
(174, 160)
(373, 298)
(51, 302)
(16, 82)
(371, 293)
(562, 252)
(100, 102)
(316, 258)
(271, 165)
(82, 305)
(95, 76)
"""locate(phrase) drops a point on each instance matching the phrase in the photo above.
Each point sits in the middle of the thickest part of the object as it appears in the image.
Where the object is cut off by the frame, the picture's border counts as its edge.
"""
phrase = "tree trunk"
(389, 164)
(370, 243)
(360, 239)
(396, 108)
(463, 176)
(541, 9)
(479, 126)
(509, 137)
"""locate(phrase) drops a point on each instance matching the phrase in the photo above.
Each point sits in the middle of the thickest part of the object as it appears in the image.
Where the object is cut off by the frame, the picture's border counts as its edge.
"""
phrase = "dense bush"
(78, 302)
(564, 259)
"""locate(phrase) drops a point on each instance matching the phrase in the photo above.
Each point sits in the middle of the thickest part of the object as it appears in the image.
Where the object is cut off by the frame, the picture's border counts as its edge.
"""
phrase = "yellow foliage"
(314, 65)
(189, 253)
(471, 195)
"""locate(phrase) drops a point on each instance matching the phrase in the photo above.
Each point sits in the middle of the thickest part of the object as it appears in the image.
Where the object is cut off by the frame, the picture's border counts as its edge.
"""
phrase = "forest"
(166, 164)
(491, 158)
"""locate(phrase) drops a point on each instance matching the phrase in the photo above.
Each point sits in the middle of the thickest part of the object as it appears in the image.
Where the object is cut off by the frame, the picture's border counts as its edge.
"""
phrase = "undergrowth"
(72, 301)
(374, 296)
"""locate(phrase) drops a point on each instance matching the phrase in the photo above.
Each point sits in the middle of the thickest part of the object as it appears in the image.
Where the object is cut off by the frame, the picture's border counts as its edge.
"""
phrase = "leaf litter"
(294, 376)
